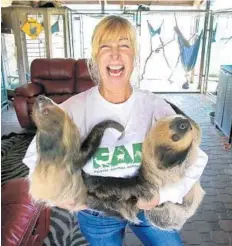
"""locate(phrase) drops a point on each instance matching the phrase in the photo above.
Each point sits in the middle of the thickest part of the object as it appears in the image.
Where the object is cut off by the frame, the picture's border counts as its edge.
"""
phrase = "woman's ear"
(93, 71)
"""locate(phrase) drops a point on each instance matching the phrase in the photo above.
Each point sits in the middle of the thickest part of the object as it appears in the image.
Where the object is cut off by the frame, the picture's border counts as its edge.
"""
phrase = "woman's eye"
(124, 45)
(104, 46)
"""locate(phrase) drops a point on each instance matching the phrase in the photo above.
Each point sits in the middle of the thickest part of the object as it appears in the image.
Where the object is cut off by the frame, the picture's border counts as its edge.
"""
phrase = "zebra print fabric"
(64, 230)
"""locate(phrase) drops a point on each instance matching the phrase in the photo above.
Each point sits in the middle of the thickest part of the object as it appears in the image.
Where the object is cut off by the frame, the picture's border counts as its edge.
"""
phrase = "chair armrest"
(22, 111)
(29, 90)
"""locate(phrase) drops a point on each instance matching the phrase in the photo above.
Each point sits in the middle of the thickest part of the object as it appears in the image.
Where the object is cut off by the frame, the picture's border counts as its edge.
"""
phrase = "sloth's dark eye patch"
(169, 157)
(175, 138)
(179, 126)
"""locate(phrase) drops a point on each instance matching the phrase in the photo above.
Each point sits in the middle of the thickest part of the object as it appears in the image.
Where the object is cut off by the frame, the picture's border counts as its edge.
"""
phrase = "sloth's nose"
(183, 125)
(41, 98)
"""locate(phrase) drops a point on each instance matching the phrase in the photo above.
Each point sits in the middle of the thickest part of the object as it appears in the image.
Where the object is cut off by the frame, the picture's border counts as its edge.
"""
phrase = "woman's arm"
(176, 192)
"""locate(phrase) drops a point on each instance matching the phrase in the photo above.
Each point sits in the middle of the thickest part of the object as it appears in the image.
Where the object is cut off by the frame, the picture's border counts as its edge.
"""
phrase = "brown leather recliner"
(57, 79)
(22, 222)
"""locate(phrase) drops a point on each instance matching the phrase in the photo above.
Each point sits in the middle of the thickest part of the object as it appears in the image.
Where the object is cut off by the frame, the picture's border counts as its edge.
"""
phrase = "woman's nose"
(115, 53)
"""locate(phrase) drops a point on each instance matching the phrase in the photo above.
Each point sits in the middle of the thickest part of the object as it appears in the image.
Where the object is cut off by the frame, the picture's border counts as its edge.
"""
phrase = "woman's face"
(115, 61)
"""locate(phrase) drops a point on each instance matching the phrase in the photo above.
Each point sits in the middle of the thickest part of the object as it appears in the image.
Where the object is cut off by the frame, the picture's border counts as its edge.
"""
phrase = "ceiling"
(143, 2)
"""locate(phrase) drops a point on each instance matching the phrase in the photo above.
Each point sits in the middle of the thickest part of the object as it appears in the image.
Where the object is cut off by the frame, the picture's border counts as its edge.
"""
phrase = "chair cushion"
(56, 75)
(81, 70)
(83, 79)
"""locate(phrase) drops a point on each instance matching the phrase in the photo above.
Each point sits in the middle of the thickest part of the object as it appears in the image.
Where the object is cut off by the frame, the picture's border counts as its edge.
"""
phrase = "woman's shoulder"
(78, 99)
(150, 96)
(155, 103)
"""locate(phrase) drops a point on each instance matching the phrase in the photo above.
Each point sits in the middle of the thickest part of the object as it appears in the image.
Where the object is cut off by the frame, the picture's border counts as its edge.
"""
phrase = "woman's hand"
(145, 205)
(71, 206)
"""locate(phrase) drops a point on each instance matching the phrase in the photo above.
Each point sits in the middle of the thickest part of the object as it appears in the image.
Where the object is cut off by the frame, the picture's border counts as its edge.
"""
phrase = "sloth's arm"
(176, 192)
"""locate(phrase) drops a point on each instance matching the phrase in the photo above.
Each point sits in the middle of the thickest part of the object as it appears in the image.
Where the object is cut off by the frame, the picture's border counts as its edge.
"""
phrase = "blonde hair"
(112, 28)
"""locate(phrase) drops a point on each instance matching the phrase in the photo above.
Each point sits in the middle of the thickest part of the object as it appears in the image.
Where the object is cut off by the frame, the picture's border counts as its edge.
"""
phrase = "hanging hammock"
(152, 34)
(152, 31)
(188, 53)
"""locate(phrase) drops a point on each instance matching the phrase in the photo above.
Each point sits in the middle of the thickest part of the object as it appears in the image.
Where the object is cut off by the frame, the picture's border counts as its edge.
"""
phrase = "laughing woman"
(114, 51)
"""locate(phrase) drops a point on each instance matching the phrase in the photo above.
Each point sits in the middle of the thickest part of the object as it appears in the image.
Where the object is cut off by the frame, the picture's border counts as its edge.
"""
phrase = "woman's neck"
(119, 96)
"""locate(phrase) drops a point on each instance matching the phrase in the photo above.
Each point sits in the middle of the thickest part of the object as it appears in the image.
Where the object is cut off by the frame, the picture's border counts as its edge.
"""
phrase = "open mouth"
(115, 70)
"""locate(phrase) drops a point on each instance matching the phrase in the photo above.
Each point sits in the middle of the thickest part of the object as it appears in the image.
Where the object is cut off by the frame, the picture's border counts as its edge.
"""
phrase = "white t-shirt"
(118, 158)
(122, 158)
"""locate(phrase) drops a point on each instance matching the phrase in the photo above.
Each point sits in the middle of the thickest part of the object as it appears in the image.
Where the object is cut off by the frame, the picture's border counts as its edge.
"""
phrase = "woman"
(113, 58)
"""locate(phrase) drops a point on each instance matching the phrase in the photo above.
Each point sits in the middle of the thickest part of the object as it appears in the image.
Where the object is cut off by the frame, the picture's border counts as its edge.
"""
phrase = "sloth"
(61, 155)
(172, 146)
(168, 149)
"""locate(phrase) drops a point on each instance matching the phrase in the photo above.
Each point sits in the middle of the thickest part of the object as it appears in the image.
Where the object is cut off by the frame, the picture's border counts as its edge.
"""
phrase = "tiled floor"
(212, 224)
(9, 121)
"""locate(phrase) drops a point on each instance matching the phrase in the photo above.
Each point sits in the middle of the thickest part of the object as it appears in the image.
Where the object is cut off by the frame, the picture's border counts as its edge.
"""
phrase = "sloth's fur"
(61, 155)
(169, 148)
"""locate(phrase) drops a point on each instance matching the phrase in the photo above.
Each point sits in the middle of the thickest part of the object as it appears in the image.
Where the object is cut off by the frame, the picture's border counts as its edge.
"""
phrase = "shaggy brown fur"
(57, 175)
(169, 148)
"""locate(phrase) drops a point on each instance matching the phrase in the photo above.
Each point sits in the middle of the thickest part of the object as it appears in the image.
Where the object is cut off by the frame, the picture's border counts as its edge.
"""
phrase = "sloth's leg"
(173, 216)
(167, 217)
(193, 199)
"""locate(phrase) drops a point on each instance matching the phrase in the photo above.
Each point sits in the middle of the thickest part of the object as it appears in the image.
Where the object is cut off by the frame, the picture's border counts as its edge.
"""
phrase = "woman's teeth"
(115, 70)
(115, 67)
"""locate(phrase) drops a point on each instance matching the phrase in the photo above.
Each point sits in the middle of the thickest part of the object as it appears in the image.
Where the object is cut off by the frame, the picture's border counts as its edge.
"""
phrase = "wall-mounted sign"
(32, 28)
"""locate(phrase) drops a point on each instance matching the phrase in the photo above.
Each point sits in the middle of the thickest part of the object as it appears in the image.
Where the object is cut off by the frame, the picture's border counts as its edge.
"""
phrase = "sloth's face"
(47, 115)
(175, 131)
(172, 138)
(180, 127)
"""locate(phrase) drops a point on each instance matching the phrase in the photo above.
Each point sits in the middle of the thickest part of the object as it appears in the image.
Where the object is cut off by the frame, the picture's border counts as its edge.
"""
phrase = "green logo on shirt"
(104, 158)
